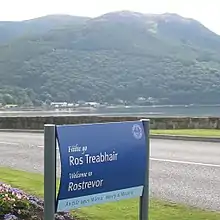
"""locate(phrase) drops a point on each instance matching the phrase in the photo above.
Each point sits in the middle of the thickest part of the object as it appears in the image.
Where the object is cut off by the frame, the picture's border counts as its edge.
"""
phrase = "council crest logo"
(137, 131)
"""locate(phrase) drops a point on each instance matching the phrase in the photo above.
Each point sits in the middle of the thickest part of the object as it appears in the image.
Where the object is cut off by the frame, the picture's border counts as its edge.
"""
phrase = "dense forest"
(117, 56)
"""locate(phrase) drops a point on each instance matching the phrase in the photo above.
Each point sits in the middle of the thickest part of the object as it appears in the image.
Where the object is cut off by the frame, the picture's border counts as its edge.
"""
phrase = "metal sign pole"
(49, 171)
(144, 199)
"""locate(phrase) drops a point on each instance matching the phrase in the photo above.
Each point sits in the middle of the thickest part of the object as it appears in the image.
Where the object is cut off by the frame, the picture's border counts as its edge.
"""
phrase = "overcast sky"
(206, 11)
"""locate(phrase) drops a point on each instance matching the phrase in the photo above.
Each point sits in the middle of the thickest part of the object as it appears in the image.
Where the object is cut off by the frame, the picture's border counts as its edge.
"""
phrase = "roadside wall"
(156, 123)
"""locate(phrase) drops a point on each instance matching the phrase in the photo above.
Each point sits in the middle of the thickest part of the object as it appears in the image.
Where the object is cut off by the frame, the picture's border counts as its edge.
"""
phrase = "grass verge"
(189, 132)
(126, 209)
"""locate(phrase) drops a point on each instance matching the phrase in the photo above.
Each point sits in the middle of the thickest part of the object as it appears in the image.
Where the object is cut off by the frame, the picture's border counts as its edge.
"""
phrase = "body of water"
(149, 111)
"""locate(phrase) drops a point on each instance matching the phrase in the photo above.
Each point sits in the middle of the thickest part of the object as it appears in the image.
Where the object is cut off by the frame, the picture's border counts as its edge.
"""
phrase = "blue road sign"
(100, 163)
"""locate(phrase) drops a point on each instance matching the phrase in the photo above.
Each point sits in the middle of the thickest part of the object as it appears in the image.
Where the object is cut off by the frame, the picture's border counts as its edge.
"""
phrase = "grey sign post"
(49, 171)
(144, 199)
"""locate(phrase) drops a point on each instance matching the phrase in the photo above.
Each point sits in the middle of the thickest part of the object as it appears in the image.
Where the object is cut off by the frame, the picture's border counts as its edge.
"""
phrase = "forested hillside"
(117, 56)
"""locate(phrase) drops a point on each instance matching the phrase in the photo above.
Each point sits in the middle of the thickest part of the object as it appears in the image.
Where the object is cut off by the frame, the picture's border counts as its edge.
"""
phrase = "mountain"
(10, 30)
(121, 55)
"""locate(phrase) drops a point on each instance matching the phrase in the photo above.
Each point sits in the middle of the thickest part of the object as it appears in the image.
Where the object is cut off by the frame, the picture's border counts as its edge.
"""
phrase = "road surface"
(180, 171)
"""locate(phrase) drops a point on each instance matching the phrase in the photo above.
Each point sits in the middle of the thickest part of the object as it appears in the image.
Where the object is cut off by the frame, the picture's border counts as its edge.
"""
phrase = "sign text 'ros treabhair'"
(100, 163)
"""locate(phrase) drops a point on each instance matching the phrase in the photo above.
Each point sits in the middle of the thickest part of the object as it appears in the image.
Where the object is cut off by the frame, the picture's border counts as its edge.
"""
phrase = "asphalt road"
(180, 171)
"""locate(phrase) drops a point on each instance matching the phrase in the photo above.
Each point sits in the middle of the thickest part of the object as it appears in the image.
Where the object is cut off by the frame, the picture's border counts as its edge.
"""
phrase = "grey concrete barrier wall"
(36, 123)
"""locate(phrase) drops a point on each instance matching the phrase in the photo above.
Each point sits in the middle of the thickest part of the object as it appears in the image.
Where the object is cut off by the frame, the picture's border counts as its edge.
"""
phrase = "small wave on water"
(61, 113)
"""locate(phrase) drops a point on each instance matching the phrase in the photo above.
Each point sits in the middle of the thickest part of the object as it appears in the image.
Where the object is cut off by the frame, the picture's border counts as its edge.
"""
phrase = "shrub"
(17, 205)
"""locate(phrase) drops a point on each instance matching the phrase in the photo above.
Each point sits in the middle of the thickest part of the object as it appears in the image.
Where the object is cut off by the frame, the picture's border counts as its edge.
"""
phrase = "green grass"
(127, 209)
(189, 132)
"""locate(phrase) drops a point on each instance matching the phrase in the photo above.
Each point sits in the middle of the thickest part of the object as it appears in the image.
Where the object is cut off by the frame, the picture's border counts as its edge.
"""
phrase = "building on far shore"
(92, 104)
(58, 104)
(10, 106)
